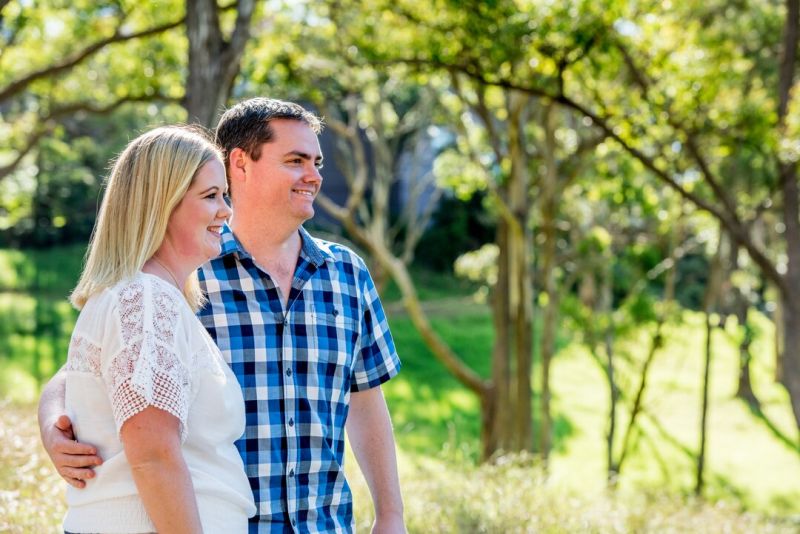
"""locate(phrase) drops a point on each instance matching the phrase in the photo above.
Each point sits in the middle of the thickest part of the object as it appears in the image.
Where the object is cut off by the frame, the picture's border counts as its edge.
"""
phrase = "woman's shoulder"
(138, 301)
(145, 290)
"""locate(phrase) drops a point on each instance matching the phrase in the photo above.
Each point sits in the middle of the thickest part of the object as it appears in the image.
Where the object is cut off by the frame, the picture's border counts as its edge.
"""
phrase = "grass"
(31, 494)
(746, 463)
(753, 477)
(36, 317)
(511, 496)
(514, 496)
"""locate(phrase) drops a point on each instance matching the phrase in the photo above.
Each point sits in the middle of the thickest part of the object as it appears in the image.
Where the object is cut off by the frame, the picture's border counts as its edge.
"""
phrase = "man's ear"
(237, 160)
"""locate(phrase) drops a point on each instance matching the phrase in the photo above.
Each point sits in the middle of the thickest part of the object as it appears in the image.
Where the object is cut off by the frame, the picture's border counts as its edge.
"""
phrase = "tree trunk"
(523, 425)
(496, 434)
(709, 305)
(509, 427)
(213, 61)
(788, 179)
(521, 246)
(549, 213)
(790, 358)
(701, 455)
(779, 338)
(744, 388)
(607, 309)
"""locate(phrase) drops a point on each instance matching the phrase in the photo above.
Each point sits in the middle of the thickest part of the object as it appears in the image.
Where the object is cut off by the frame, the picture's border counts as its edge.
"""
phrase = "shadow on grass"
(756, 410)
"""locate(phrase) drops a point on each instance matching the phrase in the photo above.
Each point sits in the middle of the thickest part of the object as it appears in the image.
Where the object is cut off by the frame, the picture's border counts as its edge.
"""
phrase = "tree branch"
(645, 84)
(18, 86)
(48, 122)
(87, 107)
(735, 227)
(31, 142)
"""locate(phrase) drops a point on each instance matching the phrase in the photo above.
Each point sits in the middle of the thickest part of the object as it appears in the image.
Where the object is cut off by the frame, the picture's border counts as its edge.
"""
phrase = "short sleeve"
(147, 370)
(376, 359)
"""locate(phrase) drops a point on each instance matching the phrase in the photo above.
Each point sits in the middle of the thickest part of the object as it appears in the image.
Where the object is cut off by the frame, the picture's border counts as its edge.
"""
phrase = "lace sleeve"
(148, 370)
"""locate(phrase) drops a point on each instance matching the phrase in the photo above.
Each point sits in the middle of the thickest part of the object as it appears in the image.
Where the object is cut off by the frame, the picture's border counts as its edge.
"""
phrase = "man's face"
(285, 179)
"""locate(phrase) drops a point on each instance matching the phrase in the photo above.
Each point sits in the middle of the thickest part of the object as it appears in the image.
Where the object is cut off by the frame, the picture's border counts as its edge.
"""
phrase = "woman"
(144, 381)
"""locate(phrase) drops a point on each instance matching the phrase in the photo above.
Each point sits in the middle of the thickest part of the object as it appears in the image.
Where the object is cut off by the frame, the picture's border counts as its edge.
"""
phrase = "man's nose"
(314, 174)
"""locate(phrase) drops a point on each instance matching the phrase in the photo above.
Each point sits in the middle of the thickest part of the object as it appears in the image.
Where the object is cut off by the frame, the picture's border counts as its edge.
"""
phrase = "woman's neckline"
(163, 282)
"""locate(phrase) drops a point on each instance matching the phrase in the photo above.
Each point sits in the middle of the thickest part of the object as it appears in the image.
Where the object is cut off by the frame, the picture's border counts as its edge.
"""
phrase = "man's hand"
(73, 460)
(389, 524)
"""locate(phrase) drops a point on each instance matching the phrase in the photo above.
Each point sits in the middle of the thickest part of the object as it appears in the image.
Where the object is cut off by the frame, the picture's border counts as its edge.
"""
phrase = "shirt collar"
(311, 249)
(229, 242)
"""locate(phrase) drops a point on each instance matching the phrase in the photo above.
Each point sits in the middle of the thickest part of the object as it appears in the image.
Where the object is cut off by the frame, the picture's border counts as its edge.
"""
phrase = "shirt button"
(291, 421)
(294, 522)
(288, 372)
(291, 472)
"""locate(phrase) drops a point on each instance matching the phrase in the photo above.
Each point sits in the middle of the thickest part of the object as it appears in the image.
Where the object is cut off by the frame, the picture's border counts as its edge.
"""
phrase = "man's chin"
(305, 215)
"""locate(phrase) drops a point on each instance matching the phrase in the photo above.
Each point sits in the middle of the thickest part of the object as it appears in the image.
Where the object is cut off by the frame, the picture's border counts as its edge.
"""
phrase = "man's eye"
(318, 165)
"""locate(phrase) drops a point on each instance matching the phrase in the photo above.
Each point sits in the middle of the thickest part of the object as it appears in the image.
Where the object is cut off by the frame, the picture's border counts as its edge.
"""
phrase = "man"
(303, 329)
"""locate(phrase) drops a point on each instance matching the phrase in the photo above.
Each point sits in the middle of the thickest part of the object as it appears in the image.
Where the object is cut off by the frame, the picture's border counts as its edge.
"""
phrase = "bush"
(457, 227)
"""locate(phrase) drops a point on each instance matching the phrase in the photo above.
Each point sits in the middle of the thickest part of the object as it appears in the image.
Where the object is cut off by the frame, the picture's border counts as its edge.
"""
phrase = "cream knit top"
(135, 345)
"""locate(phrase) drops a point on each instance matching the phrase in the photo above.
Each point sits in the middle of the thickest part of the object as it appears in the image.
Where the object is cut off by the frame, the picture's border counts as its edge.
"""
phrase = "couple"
(297, 320)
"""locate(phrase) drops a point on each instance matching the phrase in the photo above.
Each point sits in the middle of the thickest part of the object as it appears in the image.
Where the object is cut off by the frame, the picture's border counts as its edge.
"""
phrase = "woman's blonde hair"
(147, 181)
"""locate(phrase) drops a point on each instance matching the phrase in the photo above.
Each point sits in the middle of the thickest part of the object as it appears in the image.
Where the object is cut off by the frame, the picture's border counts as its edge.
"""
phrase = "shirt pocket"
(334, 334)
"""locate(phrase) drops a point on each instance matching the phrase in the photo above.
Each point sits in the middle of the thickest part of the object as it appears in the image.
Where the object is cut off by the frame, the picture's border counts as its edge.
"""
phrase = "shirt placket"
(290, 422)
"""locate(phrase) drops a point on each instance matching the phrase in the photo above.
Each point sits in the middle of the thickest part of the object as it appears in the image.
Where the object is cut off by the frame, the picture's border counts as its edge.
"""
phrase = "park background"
(582, 217)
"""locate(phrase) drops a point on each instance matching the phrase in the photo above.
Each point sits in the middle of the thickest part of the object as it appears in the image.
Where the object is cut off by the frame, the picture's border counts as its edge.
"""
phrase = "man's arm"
(369, 430)
(72, 460)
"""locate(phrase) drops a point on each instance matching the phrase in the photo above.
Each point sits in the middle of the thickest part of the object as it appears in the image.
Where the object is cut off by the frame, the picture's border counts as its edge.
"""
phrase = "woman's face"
(193, 231)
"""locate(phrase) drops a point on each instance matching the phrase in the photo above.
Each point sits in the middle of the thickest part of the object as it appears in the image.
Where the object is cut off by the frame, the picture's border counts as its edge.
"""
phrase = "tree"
(722, 139)
(99, 58)
(213, 61)
(43, 82)
(391, 111)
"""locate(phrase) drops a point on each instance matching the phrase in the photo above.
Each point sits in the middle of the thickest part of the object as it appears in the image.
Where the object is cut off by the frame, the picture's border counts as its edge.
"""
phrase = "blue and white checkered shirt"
(297, 367)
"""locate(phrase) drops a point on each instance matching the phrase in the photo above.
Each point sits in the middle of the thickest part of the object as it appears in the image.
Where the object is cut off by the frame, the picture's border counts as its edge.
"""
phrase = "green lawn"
(746, 462)
(35, 317)
(753, 460)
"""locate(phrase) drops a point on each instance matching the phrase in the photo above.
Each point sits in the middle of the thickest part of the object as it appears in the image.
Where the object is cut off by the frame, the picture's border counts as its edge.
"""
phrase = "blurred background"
(583, 218)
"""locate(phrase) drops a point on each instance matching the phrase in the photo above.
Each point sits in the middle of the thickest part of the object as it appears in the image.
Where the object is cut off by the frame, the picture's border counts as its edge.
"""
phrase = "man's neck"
(268, 242)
